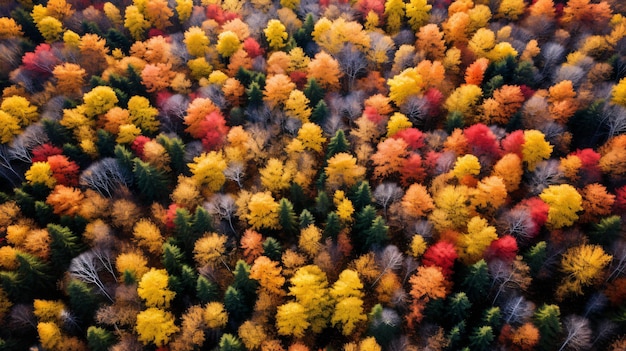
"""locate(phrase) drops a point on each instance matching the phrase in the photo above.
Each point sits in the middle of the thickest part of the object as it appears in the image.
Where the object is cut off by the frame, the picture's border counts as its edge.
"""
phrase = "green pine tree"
(151, 182)
(476, 282)
(547, 320)
(383, 324)
(338, 143)
(314, 92)
(82, 300)
(482, 338)
(206, 291)
(229, 342)
(306, 219)
(320, 112)
(65, 245)
(202, 222)
(175, 148)
(332, 227)
(255, 95)
(606, 231)
(360, 195)
(287, 217)
(272, 249)
(458, 308)
(492, 317)
(536, 256)
(105, 143)
(236, 306)
(376, 235)
(172, 258)
(99, 339)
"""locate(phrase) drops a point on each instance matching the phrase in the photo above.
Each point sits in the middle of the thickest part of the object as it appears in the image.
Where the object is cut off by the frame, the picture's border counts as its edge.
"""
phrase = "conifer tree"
(287, 217)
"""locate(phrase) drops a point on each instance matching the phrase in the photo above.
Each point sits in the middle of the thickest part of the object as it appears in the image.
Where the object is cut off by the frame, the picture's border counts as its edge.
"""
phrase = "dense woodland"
(303, 175)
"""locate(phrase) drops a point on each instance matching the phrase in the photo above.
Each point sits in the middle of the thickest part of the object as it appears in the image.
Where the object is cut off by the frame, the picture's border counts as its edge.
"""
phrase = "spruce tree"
(338, 143)
(314, 92)
(272, 249)
(287, 217)
(332, 227)
(306, 219)
(476, 282)
(482, 338)
(151, 182)
(206, 291)
(360, 195)
(547, 320)
(99, 339)
(376, 236)
(82, 300)
(65, 245)
(458, 308)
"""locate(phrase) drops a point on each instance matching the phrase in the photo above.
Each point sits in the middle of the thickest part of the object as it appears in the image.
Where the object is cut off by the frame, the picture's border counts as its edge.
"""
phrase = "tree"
(583, 266)
(268, 274)
(290, 321)
(155, 326)
(208, 249)
(277, 90)
(325, 71)
(276, 34)
(309, 287)
(153, 288)
(342, 169)
(208, 170)
(389, 157)
(481, 338)
(346, 292)
(579, 333)
(99, 339)
(441, 254)
(418, 14)
(427, 284)
(262, 211)
(564, 202)
(229, 342)
(214, 315)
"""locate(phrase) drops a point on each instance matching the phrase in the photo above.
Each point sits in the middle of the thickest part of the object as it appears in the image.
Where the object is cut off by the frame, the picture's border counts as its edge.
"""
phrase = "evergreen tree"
(458, 307)
(492, 317)
(322, 204)
(183, 230)
(360, 195)
(206, 291)
(338, 143)
(455, 336)
(332, 227)
(65, 245)
(314, 92)
(33, 277)
(454, 120)
(202, 222)
(476, 282)
(272, 249)
(363, 221)
(236, 306)
(188, 278)
(117, 40)
(297, 197)
(244, 283)
(172, 258)
(320, 112)
(547, 320)
(125, 158)
(287, 217)
(105, 143)
(306, 219)
(44, 213)
(255, 95)
(229, 342)
(481, 338)
(151, 182)
(82, 300)
(99, 339)
(383, 324)
(376, 236)
(606, 231)
(536, 256)
(302, 36)
(76, 154)
(25, 202)
(175, 148)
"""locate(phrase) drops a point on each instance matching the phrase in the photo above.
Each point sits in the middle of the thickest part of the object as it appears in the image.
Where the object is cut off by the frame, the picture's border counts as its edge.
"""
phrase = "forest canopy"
(300, 175)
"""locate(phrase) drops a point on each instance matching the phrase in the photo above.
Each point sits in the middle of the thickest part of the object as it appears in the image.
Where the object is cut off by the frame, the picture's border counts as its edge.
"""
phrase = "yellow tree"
(309, 286)
(583, 266)
(196, 41)
(153, 288)
(142, 114)
(564, 201)
(155, 326)
(208, 250)
(276, 176)
(262, 211)
(348, 295)
(208, 170)
(408, 83)
(472, 244)
(311, 136)
(342, 169)
(418, 14)
(276, 34)
(535, 148)
(20, 108)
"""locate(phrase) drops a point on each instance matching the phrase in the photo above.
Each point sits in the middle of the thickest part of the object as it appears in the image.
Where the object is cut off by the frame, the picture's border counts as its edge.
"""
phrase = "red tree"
(43, 151)
(442, 254)
(504, 248)
(63, 170)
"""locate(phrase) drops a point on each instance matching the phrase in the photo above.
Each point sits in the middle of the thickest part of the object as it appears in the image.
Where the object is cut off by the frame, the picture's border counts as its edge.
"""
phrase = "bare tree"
(390, 259)
(23, 145)
(518, 223)
(353, 63)
(223, 207)
(578, 333)
(86, 267)
(7, 170)
(614, 118)
(387, 193)
(235, 171)
(105, 176)
(618, 264)
(517, 310)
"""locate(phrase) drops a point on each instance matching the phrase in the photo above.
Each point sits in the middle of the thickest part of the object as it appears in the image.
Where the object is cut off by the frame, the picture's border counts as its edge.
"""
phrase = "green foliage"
(272, 249)
(381, 326)
(332, 226)
(176, 150)
(229, 342)
(492, 317)
(481, 338)
(376, 235)
(83, 301)
(306, 219)
(547, 320)
(65, 245)
(338, 143)
(314, 92)
(206, 291)
(606, 231)
(476, 282)
(287, 217)
(172, 258)
(536, 257)
(57, 134)
(320, 112)
(151, 182)
(454, 120)
(458, 307)
(99, 339)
